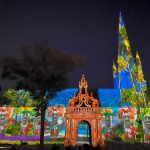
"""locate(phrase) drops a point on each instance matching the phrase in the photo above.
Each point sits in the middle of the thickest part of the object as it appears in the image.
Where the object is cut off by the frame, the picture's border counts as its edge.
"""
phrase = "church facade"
(124, 109)
(74, 116)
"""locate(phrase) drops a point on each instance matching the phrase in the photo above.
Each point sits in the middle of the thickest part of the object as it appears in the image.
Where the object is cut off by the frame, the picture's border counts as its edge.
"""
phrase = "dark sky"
(87, 27)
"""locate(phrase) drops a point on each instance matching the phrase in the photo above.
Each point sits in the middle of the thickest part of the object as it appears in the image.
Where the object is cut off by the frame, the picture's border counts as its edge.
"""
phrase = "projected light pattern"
(109, 97)
(22, 123)
(124, 122)
(118, 119)
(127, 72)
(62, 97)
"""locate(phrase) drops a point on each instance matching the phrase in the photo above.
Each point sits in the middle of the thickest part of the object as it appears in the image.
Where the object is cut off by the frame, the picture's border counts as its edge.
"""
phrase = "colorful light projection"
(5, 118)
(109, 97)
(127, 73)
(119, 121)
(128, 115)
(62, 97)
(145, 117)
(55, 122)
(26, 118)
(23, 124)
(107, 129)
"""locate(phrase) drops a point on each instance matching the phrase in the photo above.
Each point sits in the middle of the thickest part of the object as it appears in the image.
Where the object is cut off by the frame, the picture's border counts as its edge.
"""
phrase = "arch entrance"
(83, 115)
(83, 133)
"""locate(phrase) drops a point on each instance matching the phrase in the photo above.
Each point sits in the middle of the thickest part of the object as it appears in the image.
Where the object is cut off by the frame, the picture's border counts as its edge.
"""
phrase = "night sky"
(87, 27)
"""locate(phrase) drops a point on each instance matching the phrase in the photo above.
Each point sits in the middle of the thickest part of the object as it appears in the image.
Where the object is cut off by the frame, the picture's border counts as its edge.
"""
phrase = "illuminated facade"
(74, 116)
(83, 108)
(127, 73)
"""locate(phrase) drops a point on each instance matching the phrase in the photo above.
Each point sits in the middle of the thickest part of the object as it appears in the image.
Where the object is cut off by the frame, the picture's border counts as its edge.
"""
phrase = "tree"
(18, 98)
(41, 68)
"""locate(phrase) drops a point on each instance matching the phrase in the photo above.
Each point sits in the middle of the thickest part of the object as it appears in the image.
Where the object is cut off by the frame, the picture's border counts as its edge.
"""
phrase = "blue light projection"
(62, 97)
(109, 97)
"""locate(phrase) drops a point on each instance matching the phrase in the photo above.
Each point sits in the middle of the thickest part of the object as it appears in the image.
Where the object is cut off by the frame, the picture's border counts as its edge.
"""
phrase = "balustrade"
(82, 109)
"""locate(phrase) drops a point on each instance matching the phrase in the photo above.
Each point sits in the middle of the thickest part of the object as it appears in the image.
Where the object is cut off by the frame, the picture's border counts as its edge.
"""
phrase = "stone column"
(73, 132)
(100, 139)
(67, 135)
(94, 133)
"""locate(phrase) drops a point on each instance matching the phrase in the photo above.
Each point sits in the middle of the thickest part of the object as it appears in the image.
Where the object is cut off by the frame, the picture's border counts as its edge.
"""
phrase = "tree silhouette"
(40, 68)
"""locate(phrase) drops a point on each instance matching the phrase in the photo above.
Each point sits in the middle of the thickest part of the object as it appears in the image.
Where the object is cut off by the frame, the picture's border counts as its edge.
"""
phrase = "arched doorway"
(83, 133)
(83, 115)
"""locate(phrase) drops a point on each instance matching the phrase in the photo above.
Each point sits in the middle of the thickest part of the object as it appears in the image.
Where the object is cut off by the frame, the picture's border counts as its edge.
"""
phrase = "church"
(118, 114)
(127, 74)
(76, 116)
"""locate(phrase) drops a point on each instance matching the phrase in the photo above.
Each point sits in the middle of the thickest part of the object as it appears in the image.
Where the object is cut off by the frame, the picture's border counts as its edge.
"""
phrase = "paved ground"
(109, 146)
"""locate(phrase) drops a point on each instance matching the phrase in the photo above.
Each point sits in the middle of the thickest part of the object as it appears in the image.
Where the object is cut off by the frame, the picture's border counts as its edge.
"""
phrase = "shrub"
(13, 130)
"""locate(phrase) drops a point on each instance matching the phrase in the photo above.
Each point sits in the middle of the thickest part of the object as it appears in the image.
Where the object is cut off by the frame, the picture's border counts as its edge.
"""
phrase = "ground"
(108, 146)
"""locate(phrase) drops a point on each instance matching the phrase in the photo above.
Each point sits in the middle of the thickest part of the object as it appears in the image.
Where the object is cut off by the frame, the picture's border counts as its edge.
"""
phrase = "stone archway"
(83, 107)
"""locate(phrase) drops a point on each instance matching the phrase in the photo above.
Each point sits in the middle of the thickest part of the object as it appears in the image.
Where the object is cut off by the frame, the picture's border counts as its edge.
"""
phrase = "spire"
(139, 71)
(83, 85)
(128, 70)
(138, 60)
(114, 66)
(114, 69)
(123, 41)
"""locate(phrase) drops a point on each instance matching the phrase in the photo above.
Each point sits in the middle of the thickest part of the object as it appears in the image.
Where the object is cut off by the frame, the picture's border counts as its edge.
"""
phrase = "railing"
(82, 109)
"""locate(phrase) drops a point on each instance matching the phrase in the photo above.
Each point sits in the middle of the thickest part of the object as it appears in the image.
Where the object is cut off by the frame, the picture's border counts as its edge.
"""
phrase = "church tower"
(127, 72)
